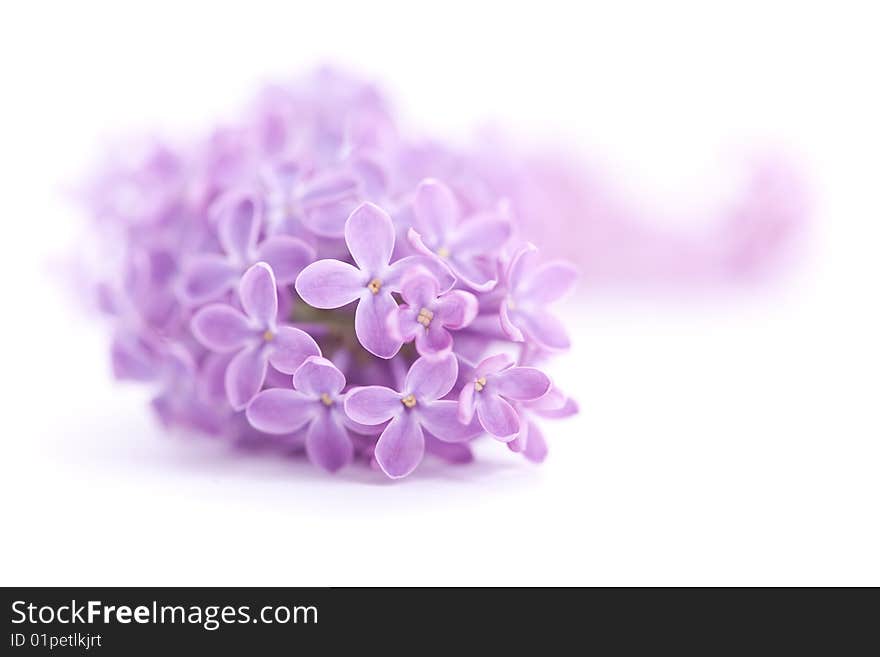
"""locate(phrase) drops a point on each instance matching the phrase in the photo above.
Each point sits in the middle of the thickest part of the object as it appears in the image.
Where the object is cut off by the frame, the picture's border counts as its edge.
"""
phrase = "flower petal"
(456, 309)
(510, 329)
(369, 235)
(318, 376)
(402, 324)
(370, 323)
(436, 210)
(466, 403)
(328, 444)
(239, 225)
(244, 376)
(477, 271)
(492, 365)
(206, 277)
(542, 328)
(401, 446)
(521, 265)
(287, 256)
(330, 284)
(440, 418)
(434, 343)
(436, 266)
(481, 234)
(457, 453)
(222, 328)
(290, 348)
(497, 416)
(373, 405)
(536, 447)
(259, 294)
(431, 379)
(549, 282)
(280, 411)
(521, 383)
(419, 288)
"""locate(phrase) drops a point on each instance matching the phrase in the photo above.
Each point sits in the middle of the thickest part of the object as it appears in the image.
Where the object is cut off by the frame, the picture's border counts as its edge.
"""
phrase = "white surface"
(721, 442)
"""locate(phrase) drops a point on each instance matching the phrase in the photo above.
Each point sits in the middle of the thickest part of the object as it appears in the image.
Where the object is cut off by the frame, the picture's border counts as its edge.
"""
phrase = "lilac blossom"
(418, 408)
(530, 440)
(208, 275)
(428, 316)
(254, 335)
(314, 407)
(494, 383)
(467, 246)
(369, 235)
(530, 288)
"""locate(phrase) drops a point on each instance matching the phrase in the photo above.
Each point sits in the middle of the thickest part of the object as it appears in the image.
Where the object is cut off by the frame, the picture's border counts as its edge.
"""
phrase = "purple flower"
(416, 409)
(427, 315)
(492, 385)
(530, 441)
(529, 289)
(253, 334)
(315, 407)
(369, 235)
(208, 275)
(469, 247)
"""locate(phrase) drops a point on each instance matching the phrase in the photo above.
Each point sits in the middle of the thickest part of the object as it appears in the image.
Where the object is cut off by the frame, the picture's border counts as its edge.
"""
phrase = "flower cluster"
(310, 276)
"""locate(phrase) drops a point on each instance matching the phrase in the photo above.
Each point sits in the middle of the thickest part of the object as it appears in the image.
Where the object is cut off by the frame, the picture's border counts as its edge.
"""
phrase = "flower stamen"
(425, 317)
(268, 336)
(443, 252)
(326, 399)
(374, 286)
(480, 383)
(409, 401)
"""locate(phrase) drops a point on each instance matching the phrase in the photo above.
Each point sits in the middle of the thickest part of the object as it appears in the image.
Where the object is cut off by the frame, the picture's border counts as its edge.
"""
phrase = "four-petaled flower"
(530, 441)
(493, 383)
(467, 246)
(427, 315)
(530, 288)
(416, 409)
(254, 334)
(207, 276)
(369, 235)
(315, 407)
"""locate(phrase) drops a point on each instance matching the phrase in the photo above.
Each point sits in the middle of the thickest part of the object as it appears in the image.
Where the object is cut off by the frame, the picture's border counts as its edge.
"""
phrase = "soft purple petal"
(371, 324)
(568, 408)
(456, 309)
(549, 282)
(373, 404)
(290, 347)
(481, 235)
(457, 453)
(492, 365)
(419, 288)
(521, 265)
(328, 444)
(466, 403)
(330, 284)
(281, 411)
(510, 329)
(436, 210)
(497, 416)
(440, 418)
(436, 266)
(434, 343)
(521, 383)
(543, 328)
(431, 379)
(222, 328)
(239, 226)
(318, 376)
(369, 234)
(244, 376)
(402, 324)
(132, 359)
(401, 446)
(536, 447)
(287, 256)
(259, 294)
(478, 272)
(327, 219)
(206, 277)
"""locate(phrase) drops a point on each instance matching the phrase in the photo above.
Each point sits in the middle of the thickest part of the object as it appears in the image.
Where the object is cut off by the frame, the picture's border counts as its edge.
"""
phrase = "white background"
(724, 440)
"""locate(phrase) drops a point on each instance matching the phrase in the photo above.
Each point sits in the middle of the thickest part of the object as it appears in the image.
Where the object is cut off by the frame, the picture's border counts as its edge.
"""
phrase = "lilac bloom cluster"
(311, 279)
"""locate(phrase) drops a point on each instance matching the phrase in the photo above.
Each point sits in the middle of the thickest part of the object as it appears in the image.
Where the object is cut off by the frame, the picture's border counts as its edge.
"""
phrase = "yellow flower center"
(443, 252)
(326, 399)
(374, 286)
(425, 317)
(409, 401)
(268, 335)
(480, 383)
